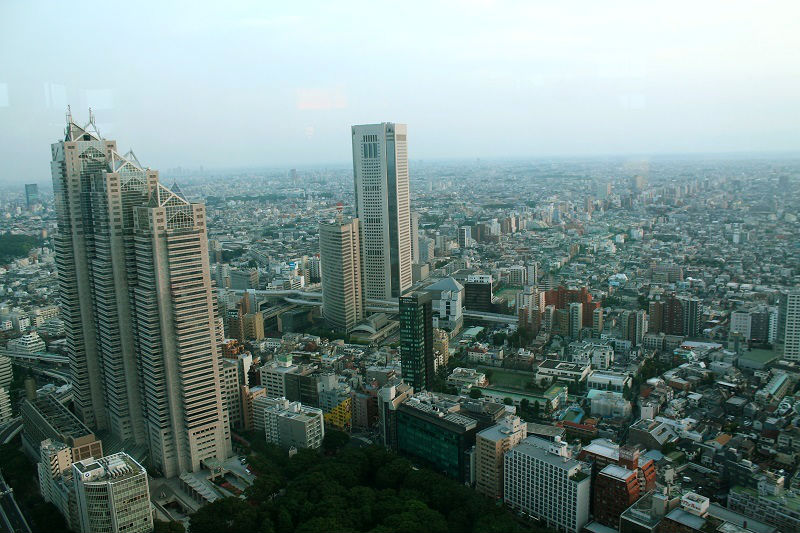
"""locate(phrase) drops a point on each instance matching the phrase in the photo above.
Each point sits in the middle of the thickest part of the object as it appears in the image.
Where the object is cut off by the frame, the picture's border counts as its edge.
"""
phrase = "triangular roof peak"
(74, 132)
(162, 196)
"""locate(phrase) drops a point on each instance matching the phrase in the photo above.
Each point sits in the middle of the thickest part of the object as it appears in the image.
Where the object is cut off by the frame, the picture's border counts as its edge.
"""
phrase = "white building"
(598, 354)
(380, 170)
(543, 481)
(465, 378)
(29, 343)
(607, 380)
(447, 302)
(517, 275)
(465, 237)
(552, 370)
(112, 495)
(273, 375)
(292, 424)
(609, 404)
(741, 322)
(789, 325)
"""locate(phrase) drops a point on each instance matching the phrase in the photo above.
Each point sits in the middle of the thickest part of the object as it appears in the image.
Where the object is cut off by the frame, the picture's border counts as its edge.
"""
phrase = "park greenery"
(346, 489)
(15, 246)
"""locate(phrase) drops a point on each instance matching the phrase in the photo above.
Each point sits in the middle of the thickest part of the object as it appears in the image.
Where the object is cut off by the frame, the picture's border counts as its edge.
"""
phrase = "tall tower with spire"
(137, 303)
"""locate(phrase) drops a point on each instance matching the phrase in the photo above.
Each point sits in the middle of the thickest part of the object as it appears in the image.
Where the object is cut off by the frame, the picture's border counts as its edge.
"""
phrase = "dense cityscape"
(576, 345)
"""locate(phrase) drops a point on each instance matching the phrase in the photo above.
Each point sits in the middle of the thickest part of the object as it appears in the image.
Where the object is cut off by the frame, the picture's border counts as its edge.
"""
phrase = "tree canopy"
(351, 489)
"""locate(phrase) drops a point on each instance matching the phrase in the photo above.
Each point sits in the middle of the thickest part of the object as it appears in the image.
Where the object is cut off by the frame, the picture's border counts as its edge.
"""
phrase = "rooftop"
(58, 416)
(618, 472)
(112, 468)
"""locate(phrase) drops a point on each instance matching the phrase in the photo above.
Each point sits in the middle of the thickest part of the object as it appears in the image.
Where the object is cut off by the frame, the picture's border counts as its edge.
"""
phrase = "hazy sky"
(269, 83)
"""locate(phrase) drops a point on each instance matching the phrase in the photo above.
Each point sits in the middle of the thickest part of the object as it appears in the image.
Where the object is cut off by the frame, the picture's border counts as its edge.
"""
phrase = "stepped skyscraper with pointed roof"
(137, 302)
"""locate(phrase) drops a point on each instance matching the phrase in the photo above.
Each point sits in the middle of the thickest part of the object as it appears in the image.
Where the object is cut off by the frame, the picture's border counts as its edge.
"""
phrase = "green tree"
(475, 393)
(173, 526)
(508, 401)
(227, 515)
(334, 440)
(499, 338)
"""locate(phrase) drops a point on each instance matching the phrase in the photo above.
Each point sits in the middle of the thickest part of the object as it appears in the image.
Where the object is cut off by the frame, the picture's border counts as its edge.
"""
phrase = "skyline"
(266, 86)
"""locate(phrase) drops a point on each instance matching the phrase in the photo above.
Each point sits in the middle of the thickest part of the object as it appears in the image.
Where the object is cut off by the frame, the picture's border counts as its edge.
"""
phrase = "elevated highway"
(314, 298)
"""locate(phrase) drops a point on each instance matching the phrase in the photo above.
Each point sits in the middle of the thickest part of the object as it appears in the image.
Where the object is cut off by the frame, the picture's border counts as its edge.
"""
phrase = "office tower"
(273, 375)
(615, 489)
(390, 397)
(426, 249)
(5, 406)
(788, 334)
(442, 441)
(253, 326)
(478, 292)
(543, 480)
(637, 322)
(243, 279)
(491, 444)
(416, 340)
(517, 275)
(441, 347)
(656, 313)
(231, 382)
(691, 316)
(6, 371)
(290, 424)
(533, 273)
(342, 289)
(597, 322)
(741, 322)
(31, 194)
(249, 395)
(414, 237)
(575, 319)
(759, 324)
(137, 303)
(112, 495)
(464, 237)
(380, 171)
(672, 322)
(177, 334)
(54, 471)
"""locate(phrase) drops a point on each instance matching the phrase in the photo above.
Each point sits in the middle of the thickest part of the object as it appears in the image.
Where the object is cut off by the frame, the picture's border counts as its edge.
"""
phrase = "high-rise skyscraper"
(380, 172)
(342, 286)
(788, 334)
(137, 303)
(416, 340)
(575, 319)
(31, 194)
(691, 316)
(415, 237)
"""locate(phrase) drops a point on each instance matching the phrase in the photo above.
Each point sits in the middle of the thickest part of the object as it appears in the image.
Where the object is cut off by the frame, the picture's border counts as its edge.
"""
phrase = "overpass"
(41, 369)
(314, 298)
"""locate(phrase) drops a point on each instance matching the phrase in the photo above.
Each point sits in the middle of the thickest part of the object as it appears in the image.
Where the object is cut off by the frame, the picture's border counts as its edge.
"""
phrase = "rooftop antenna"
(69, 114)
